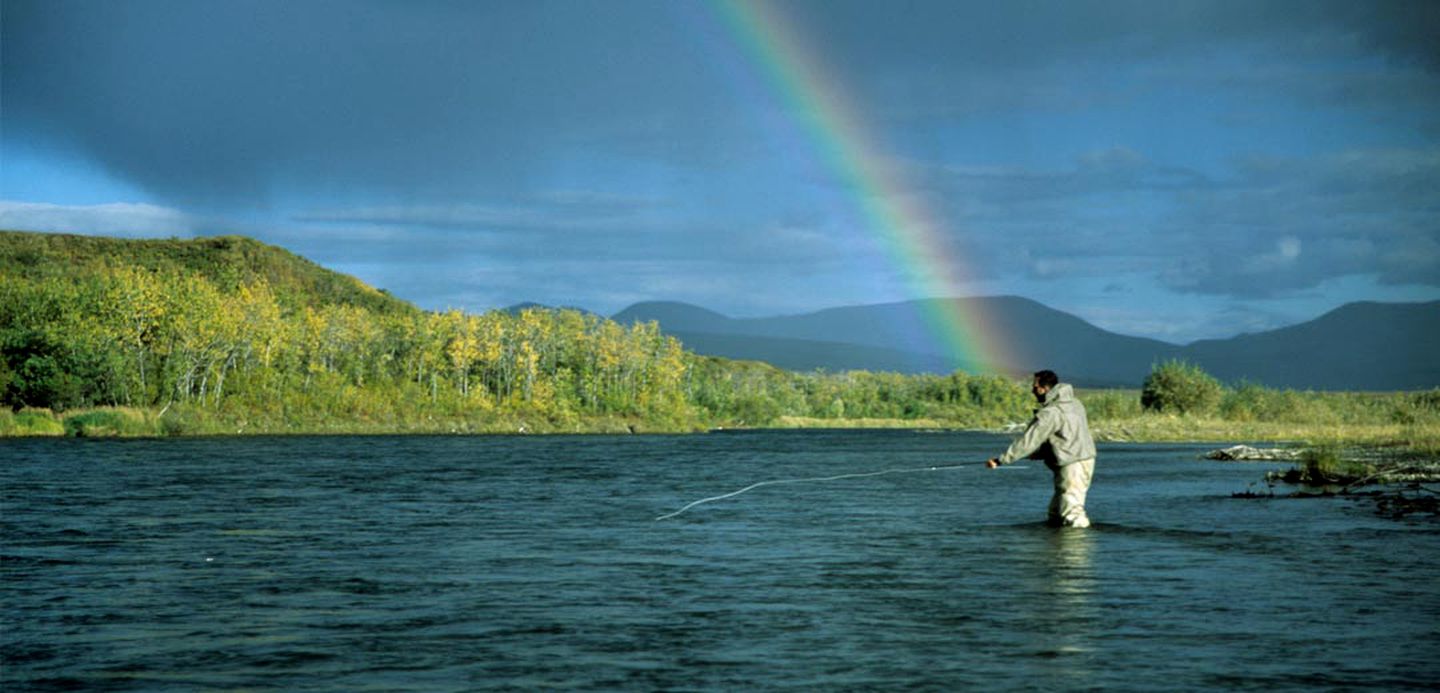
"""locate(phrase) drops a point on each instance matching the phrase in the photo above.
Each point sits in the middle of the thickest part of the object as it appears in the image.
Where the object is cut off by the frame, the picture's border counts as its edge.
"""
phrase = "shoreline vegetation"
(1331, 422)
(104, 337)
(1417, 439)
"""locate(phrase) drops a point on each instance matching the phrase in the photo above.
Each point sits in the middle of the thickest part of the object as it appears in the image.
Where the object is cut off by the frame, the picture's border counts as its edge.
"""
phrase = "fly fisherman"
(1059, 434)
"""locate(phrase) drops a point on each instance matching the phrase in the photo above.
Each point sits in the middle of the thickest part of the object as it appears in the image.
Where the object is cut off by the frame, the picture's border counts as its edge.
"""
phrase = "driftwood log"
(1245, 452)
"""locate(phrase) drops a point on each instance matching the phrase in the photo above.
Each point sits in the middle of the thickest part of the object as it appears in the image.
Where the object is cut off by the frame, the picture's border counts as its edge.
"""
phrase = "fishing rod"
(776, 482)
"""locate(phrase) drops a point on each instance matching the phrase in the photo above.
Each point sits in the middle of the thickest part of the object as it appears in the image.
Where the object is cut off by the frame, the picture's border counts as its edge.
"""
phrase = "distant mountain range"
(1359, 346)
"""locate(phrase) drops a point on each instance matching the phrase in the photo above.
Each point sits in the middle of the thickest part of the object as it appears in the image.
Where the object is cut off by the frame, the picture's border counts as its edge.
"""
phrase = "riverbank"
(1415, 439)
(131, 422)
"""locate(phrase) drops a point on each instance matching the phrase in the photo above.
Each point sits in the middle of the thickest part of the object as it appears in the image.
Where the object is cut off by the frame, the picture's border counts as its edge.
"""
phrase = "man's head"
(1044, 382)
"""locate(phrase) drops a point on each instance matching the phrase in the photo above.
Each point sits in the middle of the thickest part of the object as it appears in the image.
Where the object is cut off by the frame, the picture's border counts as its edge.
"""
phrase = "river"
(476, 563)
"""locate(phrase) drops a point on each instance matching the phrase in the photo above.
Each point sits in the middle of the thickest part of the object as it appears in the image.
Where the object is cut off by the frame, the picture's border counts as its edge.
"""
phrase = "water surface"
(464, 563)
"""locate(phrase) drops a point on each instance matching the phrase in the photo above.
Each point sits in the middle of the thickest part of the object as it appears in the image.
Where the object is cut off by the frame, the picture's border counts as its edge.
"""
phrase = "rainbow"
(837, 134)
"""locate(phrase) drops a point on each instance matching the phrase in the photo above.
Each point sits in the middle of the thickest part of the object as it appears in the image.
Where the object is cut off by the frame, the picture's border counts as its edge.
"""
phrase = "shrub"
(1247, 402)
(1180, 388)
(1325, 464)
(756, 410)
(177, 421)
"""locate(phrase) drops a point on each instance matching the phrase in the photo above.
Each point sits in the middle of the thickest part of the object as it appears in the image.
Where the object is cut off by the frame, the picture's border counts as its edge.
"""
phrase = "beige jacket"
(1059, 434)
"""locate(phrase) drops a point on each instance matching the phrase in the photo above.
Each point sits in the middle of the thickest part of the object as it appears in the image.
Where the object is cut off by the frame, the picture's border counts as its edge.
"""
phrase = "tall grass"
(104, 422)
(110, 422)
(1111, 405)
(30, 422)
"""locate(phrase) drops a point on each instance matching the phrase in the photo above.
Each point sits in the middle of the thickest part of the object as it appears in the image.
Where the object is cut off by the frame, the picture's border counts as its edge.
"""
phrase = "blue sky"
(1178, 170)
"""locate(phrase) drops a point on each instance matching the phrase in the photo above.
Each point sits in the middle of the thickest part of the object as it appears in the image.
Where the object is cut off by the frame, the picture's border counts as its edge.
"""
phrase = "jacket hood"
(1061, 393)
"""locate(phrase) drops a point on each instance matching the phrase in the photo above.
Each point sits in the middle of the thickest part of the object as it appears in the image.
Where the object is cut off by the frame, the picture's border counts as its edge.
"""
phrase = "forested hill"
(228, 262)
(225, 334)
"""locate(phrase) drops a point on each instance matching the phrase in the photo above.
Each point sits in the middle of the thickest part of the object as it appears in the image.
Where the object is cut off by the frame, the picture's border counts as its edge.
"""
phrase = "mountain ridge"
(1357, 346)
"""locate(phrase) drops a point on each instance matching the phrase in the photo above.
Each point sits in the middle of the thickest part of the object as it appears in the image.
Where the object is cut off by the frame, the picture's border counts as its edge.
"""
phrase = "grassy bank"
(1407, 423)
(181, 421)
(1163, 428)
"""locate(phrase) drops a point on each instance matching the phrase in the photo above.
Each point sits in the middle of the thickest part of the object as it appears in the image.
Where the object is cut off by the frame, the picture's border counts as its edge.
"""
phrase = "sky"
(1175, 170)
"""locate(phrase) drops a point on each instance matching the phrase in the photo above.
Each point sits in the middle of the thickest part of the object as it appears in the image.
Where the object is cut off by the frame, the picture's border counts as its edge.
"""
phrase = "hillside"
(228, 261)
(1358, 346)
(231, 329)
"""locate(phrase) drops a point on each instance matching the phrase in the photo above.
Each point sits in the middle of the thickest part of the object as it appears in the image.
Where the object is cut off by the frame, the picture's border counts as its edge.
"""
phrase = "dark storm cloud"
(967, 59)
(1028, 33)
(228, 100)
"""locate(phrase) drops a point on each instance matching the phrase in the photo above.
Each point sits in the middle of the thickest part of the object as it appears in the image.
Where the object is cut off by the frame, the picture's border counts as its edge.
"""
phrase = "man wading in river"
(1060, 436)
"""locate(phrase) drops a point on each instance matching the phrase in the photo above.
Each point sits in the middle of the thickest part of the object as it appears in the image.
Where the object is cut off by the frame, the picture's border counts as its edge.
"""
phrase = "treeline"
(122, 336)
(228, 334)
(207, 336)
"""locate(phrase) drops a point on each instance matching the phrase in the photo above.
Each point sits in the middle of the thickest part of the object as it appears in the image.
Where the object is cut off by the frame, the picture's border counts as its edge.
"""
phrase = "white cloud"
(136, 220)
(1288, 247)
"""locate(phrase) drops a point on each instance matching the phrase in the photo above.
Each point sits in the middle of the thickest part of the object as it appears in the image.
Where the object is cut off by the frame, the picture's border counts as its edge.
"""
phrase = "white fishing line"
(776, 482)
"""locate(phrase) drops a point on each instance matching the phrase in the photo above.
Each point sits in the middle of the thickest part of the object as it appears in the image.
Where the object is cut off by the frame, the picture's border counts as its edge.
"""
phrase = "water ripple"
(450, 564)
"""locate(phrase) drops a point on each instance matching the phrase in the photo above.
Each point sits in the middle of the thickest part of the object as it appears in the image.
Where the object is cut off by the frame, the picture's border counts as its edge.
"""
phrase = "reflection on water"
(1074, 586)
(443, 564)
(1057, 601)
(1073, 580)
